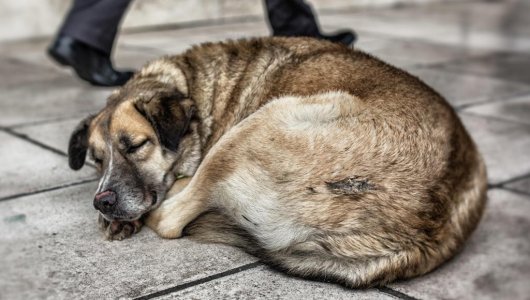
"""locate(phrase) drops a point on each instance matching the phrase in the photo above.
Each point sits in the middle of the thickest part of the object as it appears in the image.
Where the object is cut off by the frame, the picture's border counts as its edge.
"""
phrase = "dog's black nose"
(105, 201)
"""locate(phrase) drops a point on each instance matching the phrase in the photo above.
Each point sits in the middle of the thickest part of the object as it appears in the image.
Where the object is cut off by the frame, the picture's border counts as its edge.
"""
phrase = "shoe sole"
(61, 61)
(58, 58)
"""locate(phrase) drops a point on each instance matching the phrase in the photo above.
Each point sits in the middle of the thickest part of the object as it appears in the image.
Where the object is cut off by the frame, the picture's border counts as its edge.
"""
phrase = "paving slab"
(504, 65)
(494, 264)
(492, 25)
(176, 41)
(51, 248)
(133, 58)
(16, 73)
(32, 53)
(504, 146)
(476, 15)
(516, 109)
(27, 168)
(466, 89)
(49, 99)
(134, 49)
(408, 53)
(473, 52)
(241, 8)
(264, 283)
(373, 22)
(55, 134)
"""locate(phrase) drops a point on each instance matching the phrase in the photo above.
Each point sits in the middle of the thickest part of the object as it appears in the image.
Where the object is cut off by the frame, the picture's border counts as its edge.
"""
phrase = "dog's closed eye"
(134, 148)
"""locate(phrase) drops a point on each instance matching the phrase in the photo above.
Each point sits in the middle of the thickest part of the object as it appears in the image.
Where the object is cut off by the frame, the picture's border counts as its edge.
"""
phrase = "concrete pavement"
(475, 53)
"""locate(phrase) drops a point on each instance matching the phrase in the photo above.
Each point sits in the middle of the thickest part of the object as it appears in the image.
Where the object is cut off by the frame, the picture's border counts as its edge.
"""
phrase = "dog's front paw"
(168, 228)
(118, 230)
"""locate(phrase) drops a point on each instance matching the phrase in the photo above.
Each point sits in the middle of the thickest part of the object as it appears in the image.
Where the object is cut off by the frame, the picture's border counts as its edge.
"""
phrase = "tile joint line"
(39, 144)
(54, 188)
(34, 142)
(193, 283)
(395, 293)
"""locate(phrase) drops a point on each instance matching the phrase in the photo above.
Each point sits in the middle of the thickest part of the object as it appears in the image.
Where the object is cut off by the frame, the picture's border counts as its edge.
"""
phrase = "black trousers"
(291, 18)
(96, 22)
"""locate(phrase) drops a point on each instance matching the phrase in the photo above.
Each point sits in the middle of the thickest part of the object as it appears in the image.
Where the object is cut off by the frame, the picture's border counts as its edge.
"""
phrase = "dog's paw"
(167, 228)
(116, 230)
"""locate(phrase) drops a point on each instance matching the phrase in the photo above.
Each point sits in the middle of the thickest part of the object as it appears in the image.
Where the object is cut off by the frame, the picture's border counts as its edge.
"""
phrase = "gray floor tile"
(464, 89)
(16, 73)
(504, 146)
(390, 26)
(474, 52)
(240, 8)
(54, 134)
(263, 283)
(494, 264)
(516, 109)
(176, 41)
(493, 25)
(27, 168)
(507, 66)
(53, 98)
(404, 53)
(51, 248)
(474, 15)
(521, 185)
(33, 53)
(134, 58)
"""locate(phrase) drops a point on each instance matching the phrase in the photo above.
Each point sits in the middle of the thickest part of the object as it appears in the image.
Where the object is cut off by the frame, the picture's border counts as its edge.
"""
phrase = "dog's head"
(140, 142)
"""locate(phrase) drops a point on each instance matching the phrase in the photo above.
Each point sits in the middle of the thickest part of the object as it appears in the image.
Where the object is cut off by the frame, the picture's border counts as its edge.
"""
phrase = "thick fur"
(322, 160)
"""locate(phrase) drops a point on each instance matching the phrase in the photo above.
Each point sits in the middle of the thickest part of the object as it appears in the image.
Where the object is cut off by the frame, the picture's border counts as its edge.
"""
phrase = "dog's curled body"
(322, 160)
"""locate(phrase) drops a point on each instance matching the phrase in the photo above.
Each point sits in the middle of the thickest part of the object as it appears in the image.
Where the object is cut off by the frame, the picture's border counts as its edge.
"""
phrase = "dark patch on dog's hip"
(350, 186)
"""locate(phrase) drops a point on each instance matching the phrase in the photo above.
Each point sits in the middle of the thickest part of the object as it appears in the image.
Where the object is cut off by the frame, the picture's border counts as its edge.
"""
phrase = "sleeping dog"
(322, 160)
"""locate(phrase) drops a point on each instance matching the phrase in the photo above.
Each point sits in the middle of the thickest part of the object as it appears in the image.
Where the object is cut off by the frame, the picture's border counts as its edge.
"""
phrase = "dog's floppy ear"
(77, 147)
(170, 114)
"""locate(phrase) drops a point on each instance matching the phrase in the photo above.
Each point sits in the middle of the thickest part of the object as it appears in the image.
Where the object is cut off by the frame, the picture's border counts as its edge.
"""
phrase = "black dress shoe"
(89, 63)
(346, 37)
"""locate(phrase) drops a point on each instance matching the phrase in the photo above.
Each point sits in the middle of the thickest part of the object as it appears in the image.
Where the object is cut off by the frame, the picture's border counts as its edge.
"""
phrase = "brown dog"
(322, 160)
